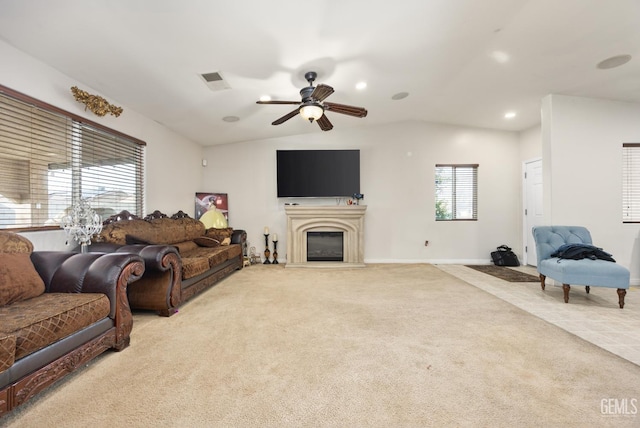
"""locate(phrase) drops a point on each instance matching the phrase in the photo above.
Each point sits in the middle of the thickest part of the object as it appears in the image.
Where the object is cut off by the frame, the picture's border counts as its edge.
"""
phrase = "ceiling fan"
(312, 106)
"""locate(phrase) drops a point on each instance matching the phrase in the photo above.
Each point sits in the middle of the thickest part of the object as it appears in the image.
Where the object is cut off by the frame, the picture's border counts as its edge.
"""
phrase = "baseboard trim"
(432, 261)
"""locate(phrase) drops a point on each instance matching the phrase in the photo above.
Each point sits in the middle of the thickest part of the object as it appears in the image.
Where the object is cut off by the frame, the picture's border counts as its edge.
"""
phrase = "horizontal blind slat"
(45, 155)
(456, 191)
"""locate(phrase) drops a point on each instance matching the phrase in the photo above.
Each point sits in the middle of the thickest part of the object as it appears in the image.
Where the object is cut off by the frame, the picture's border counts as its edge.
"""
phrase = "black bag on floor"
(504, 257)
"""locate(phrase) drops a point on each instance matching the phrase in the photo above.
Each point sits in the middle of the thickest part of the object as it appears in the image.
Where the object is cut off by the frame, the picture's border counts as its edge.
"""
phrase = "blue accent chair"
(587, 272)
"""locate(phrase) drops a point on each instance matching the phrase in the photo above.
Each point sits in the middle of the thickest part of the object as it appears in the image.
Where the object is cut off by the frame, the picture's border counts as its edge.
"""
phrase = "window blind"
(631, 182)
(456, 192)
(49, 158)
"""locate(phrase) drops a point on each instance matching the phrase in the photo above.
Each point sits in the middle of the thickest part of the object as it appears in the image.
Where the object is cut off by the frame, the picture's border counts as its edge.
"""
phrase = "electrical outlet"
(426, 243)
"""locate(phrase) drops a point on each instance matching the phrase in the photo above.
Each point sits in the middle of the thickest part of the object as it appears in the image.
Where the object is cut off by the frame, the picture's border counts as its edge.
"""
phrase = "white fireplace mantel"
(348, 219)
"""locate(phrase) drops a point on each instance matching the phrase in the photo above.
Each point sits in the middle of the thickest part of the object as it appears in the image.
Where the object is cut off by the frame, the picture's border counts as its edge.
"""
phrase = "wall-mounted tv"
(318, 173)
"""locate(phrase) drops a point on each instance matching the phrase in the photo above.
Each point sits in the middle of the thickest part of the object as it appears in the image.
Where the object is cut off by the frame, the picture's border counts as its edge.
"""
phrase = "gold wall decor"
(95, 103)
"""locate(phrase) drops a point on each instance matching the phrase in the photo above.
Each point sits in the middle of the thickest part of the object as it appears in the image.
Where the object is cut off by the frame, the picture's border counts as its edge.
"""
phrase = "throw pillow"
(219, 234)
(184, 247)
(11, 242)
(132, 240)
(226, 241)
(204, 241)
(19, 279)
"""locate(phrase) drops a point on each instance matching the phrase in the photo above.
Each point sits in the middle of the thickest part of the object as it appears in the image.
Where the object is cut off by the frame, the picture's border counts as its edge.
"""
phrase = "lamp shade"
(311, 111)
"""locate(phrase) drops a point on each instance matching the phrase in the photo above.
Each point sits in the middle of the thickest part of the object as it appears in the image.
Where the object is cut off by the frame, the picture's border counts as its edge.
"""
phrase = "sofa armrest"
(161, 261)
(239, 236)
(161, 258)
(158, 257)
(64, 272)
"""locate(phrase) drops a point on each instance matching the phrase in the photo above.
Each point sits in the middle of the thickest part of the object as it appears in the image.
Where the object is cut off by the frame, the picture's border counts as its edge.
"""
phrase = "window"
(631, 182)
(456, 192)
(49, 158)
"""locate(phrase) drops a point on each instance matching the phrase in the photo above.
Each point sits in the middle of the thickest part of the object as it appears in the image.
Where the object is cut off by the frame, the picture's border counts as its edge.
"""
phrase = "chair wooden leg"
(621, 293)
(587, 288)
(542, 279)
(566, 288)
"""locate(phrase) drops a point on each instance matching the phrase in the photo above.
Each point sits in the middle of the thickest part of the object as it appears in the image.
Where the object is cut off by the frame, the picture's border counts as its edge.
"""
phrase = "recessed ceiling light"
(265, 98)
(500, 57)
(510, 115)
(400, 95)
(613, 62)
(231, 118)
(361, 85)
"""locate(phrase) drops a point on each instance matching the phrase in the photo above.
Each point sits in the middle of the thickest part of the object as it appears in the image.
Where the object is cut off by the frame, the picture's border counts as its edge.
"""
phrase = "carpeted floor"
(387, 345)
(505, 273)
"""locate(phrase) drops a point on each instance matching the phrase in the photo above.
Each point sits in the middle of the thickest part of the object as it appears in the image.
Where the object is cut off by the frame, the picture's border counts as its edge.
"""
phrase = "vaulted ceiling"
(464, 62)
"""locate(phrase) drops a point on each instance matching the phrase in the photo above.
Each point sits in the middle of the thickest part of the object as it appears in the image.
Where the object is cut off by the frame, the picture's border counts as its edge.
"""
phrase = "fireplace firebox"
(325, 247)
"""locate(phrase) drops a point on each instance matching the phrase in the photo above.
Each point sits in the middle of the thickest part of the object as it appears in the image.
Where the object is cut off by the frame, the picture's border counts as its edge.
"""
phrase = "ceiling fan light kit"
(311, 111)
(312, 108)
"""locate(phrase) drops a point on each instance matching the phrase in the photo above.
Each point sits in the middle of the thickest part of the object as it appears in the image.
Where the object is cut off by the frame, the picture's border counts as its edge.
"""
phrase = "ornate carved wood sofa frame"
(179, 261)
(59, 310)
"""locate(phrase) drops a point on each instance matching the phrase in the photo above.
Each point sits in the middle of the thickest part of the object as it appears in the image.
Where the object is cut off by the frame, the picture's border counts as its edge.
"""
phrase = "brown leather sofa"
(58, 310)
(182, 257)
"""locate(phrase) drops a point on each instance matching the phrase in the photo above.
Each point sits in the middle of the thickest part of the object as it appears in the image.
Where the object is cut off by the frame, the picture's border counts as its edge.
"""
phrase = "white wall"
(397, 179)
(171, 180)
(531, 144)
(397, 175)
(582, 147)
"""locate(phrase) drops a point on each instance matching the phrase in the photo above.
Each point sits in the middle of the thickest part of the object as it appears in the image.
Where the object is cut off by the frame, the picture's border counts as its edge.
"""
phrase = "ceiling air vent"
(215, 81)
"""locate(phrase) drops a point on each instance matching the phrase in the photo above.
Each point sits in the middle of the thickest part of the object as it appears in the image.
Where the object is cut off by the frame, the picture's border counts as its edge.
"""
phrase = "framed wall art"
(205, 201)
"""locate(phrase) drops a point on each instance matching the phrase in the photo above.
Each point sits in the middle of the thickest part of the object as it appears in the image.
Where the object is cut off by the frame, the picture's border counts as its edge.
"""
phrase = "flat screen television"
(318, 173)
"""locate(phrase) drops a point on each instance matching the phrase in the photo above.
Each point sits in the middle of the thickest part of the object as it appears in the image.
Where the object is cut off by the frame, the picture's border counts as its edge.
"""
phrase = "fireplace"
(325, 247)
(306, 224)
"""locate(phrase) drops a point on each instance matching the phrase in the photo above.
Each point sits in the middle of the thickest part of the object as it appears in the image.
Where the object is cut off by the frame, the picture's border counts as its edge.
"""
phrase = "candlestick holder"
(267, 253)
(275, 252)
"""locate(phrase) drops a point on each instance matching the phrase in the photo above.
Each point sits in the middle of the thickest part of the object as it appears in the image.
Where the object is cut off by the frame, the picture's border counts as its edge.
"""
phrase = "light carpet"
(386, 345)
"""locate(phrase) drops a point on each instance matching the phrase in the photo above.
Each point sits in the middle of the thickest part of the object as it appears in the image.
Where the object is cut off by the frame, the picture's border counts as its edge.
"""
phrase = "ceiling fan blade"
(321, 92)
(324, 123)
(285, 117)
(345, 109)
(277, 102)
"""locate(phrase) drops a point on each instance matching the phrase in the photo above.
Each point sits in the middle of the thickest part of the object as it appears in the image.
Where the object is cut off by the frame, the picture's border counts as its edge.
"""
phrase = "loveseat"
(58, 310)
(182, 257)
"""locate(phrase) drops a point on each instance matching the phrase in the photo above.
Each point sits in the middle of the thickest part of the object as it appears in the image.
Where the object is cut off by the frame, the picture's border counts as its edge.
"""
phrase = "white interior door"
(533, 214)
